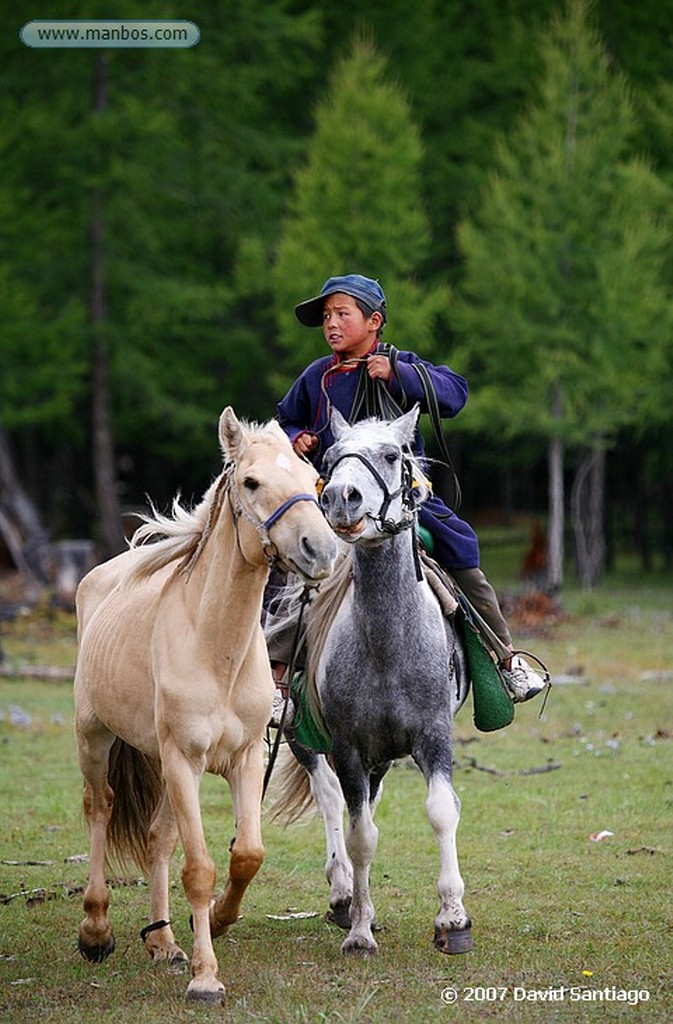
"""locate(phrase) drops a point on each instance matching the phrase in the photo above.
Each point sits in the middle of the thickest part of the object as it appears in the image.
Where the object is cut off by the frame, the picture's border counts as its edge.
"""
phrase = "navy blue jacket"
(325, 384)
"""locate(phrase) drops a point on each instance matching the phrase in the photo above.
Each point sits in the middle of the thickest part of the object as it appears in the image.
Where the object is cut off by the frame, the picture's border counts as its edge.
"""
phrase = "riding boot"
(482, 597)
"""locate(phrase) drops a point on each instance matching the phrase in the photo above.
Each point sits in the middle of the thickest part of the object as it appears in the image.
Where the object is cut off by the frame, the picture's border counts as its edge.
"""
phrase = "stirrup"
(509, 678)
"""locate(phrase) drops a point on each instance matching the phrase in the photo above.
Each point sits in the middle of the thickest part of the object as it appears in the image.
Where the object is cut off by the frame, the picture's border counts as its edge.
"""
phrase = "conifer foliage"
(565, 315)
(357, 208)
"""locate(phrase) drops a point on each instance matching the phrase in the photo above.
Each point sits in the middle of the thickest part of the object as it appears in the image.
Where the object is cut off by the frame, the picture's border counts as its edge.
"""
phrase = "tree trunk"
(556, 516)
(556, 501)
(588, 503)
(107, 501)
(21, 526)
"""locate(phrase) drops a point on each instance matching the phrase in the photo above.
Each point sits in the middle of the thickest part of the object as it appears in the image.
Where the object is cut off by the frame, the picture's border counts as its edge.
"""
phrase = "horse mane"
(163, 539)
(320, 614)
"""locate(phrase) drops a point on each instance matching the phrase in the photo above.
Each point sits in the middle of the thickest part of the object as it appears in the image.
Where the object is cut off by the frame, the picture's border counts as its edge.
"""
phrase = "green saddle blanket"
(493, 707)
(305, 728)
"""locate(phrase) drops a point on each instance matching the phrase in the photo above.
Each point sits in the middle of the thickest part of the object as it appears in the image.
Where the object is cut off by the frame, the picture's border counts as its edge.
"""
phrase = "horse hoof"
(96, 954)
(339, 914)
(448, 941)
(175, 959)
(361, 948)
(211, 996)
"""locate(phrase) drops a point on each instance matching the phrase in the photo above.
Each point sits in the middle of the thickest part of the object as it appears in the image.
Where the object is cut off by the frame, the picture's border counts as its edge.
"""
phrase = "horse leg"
(376, 784)
(327, 795)
(361, 841)
(96, 938)
(247, 853)
(329, 798)
(452, 925)
(198, 873)
(158, 936)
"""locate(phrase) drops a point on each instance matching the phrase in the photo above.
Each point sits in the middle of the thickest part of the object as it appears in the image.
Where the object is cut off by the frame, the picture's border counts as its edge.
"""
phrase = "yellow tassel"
(423, 482)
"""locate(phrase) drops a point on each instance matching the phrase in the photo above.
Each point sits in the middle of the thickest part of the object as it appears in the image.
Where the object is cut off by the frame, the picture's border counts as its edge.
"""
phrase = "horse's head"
(372, 481)
(275, 501)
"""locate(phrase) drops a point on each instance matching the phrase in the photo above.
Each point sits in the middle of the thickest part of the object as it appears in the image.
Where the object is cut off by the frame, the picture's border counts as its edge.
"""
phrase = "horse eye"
(391, 457)
(250, 483)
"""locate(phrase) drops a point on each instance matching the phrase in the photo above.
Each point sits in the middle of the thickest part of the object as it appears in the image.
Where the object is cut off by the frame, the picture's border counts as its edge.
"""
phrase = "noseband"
(406, 490)
(282, 509)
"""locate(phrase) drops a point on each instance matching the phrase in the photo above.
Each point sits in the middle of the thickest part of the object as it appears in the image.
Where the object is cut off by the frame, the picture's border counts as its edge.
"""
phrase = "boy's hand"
(379, 366)
(305, 444)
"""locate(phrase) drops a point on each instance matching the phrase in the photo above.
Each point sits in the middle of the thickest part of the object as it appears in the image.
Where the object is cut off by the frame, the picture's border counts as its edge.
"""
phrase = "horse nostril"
(334, 500)
(308, 548)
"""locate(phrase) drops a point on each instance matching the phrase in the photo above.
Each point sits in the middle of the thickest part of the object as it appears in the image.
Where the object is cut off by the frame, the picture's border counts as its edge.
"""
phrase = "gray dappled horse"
(388, 676)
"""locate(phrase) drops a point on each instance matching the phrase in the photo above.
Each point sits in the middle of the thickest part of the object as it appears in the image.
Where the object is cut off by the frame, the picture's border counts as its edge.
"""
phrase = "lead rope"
(289, 673)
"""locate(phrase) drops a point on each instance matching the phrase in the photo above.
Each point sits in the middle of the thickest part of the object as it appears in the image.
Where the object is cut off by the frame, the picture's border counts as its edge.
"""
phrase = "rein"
(372, 398)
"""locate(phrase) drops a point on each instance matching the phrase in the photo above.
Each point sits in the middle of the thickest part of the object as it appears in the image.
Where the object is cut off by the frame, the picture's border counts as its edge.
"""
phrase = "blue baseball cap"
(309, 313)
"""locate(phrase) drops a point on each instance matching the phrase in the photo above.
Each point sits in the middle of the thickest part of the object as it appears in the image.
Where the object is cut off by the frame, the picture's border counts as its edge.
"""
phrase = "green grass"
(547, 903)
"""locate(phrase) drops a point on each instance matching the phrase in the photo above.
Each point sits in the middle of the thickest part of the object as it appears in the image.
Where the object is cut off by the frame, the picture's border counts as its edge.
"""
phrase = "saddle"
(492, 706)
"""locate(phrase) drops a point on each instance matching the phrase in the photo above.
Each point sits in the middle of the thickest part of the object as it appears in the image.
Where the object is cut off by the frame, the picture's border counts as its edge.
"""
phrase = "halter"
(406, 489)
(282, 509)
(262, 527)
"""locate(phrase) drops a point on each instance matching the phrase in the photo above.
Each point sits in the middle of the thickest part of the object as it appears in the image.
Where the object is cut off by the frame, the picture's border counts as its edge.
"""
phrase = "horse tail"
(291, 790)
(138, 786)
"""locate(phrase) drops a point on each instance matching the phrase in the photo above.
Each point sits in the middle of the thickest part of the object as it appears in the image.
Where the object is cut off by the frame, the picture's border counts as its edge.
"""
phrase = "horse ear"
(338, 424)
(231, 434)
(405, 426)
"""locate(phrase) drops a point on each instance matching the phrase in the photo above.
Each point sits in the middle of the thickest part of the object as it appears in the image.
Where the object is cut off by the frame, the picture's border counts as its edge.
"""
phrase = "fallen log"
(50, 672)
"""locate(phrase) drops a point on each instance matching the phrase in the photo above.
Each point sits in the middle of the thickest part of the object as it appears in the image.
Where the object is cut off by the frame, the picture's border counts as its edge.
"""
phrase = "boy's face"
(348, 332)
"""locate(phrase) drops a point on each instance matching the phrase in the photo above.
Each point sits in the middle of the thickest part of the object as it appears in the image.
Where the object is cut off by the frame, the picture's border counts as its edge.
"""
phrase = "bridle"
(262, 526)
(406, 490)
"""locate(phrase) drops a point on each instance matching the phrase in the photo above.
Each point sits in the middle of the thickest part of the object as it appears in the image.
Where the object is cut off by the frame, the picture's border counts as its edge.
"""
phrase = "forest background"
(505, 170)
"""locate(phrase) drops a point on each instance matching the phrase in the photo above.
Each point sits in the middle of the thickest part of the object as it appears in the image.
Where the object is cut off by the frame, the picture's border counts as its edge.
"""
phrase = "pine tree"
(565, 313)
(170, 176)
(357, 208)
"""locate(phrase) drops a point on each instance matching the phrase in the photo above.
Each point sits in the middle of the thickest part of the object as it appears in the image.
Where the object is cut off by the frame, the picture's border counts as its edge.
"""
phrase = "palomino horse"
(389, 674)
(173, 680)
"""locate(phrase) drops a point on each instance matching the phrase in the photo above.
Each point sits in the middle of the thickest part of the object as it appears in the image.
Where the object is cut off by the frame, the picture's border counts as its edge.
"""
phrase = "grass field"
(565, 928)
